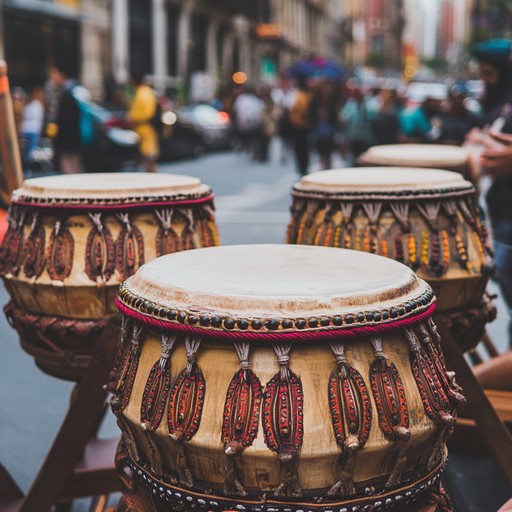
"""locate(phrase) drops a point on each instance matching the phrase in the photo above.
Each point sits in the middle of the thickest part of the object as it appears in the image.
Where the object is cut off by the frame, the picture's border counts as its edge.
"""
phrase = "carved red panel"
(186, 403)
(187, 240)
(99, 254)
(242, 409)
(167, 242)
(431, 391)
(127, 372)
(129, 251)
(349, 402)
(436, 360)
(60, 254)
(155, 394)
(389, 395)
(283, 412)
(207, 234)
(11, 251)
(34, 253)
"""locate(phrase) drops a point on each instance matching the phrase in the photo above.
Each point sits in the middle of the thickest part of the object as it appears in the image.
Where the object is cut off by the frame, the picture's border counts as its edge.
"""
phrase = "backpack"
(86, 109)
(299, 112)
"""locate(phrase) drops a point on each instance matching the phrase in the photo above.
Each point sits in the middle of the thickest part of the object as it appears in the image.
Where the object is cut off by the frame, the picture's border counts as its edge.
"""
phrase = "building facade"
(177, 43)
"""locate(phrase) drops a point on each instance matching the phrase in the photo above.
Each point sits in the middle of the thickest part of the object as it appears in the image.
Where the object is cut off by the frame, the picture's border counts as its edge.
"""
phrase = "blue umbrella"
(318, 67)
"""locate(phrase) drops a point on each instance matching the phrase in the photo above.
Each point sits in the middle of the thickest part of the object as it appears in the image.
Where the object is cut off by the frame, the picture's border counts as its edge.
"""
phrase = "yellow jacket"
(141, 112)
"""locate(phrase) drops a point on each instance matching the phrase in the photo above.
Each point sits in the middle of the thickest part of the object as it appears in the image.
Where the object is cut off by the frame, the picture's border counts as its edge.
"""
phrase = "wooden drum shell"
(73, 240)
(319, 454)
(377, 340)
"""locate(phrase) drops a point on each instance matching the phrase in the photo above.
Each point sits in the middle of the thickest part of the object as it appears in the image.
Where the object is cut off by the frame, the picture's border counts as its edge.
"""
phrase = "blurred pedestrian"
(422, 123)
(67, 142)
(496, 72)
(300, 122)
(142, 112)
(324, 113)
(268, 123)
(19, 100)
(495, 59)
(356, 123)
(52, 91)
(284, 96)
(247, 112)
(457, 121)
(386, 125)
(32, 124)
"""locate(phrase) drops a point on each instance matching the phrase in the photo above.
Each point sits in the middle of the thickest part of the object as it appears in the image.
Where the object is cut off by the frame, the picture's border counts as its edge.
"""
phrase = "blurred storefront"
(39, 34)
(171, 41)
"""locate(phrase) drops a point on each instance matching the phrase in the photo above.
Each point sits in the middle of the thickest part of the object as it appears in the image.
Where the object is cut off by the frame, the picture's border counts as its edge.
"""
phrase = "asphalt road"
(252, 201)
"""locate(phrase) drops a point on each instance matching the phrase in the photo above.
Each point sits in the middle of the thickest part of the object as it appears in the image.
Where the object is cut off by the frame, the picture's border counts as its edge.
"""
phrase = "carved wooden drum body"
(73, 239)
(282, 378)
(425, 218)
(433, 156)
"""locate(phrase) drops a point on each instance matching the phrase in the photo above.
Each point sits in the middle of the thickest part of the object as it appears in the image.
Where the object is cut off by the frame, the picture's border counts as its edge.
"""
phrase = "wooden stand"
(496, 436)
(78, 464)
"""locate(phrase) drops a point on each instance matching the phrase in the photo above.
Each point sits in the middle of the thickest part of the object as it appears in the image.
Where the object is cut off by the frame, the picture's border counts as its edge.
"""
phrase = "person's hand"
(504, 139)
(475, 136)
(497, 162)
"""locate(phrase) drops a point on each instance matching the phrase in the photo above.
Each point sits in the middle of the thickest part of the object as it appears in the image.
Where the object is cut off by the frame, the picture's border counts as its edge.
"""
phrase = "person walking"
(299, 116)
(32, 124)
(143, 110)
(324, 114)
(356, 123)
(67, 143)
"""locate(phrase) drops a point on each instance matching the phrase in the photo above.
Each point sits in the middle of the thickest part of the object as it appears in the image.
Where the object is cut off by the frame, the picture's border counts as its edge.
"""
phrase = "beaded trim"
(178, 496)
(113, 202)
(392, 195)
(152, 313)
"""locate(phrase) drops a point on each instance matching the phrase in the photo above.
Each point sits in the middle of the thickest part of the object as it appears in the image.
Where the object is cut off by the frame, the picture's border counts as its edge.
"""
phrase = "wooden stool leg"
(496, 436)
(79, 426)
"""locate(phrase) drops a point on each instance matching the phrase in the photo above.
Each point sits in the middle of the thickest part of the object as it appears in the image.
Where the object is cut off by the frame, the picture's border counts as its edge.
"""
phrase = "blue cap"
(495, 51)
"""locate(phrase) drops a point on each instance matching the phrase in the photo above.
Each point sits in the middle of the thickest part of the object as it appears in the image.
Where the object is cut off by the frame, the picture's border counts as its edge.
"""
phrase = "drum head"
(276, 285)
(417, 155)
(359, 180)
(111, 188)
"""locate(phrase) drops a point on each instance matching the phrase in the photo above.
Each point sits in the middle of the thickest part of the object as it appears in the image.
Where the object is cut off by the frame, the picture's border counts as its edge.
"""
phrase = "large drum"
(425, 218)
(433, 156)
(282, 378)
(73, 239)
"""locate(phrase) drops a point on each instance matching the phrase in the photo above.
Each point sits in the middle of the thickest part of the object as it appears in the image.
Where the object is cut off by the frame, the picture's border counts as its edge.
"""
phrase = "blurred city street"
(252, 201)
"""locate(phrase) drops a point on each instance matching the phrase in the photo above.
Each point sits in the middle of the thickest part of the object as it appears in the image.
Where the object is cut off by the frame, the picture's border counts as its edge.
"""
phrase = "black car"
(213, 125)
(179, 137)
(115, 147)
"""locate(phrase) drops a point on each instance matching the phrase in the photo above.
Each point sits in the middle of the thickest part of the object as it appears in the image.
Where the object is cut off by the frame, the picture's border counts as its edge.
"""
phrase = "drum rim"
(271, 329)
(456, 161)
(111, 203)
(364, 191)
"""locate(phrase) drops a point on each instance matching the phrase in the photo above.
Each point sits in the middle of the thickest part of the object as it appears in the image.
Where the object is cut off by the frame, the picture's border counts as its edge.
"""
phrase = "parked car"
(115, 146)
(179, 137)
(214, 126)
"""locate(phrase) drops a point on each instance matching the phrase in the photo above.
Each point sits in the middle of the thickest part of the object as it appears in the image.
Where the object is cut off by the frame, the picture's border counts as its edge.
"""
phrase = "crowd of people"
(61, 114)
(325, 116)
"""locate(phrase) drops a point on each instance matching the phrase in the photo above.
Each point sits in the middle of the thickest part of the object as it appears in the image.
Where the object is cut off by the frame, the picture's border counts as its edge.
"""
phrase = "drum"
(281, 378)
(425, 218)
(73, 239)
(434, 156)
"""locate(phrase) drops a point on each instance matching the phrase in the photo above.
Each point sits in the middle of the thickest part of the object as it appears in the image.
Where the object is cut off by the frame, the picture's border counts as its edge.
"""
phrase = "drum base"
(468, 325)
(61, 347)
(421, 494)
